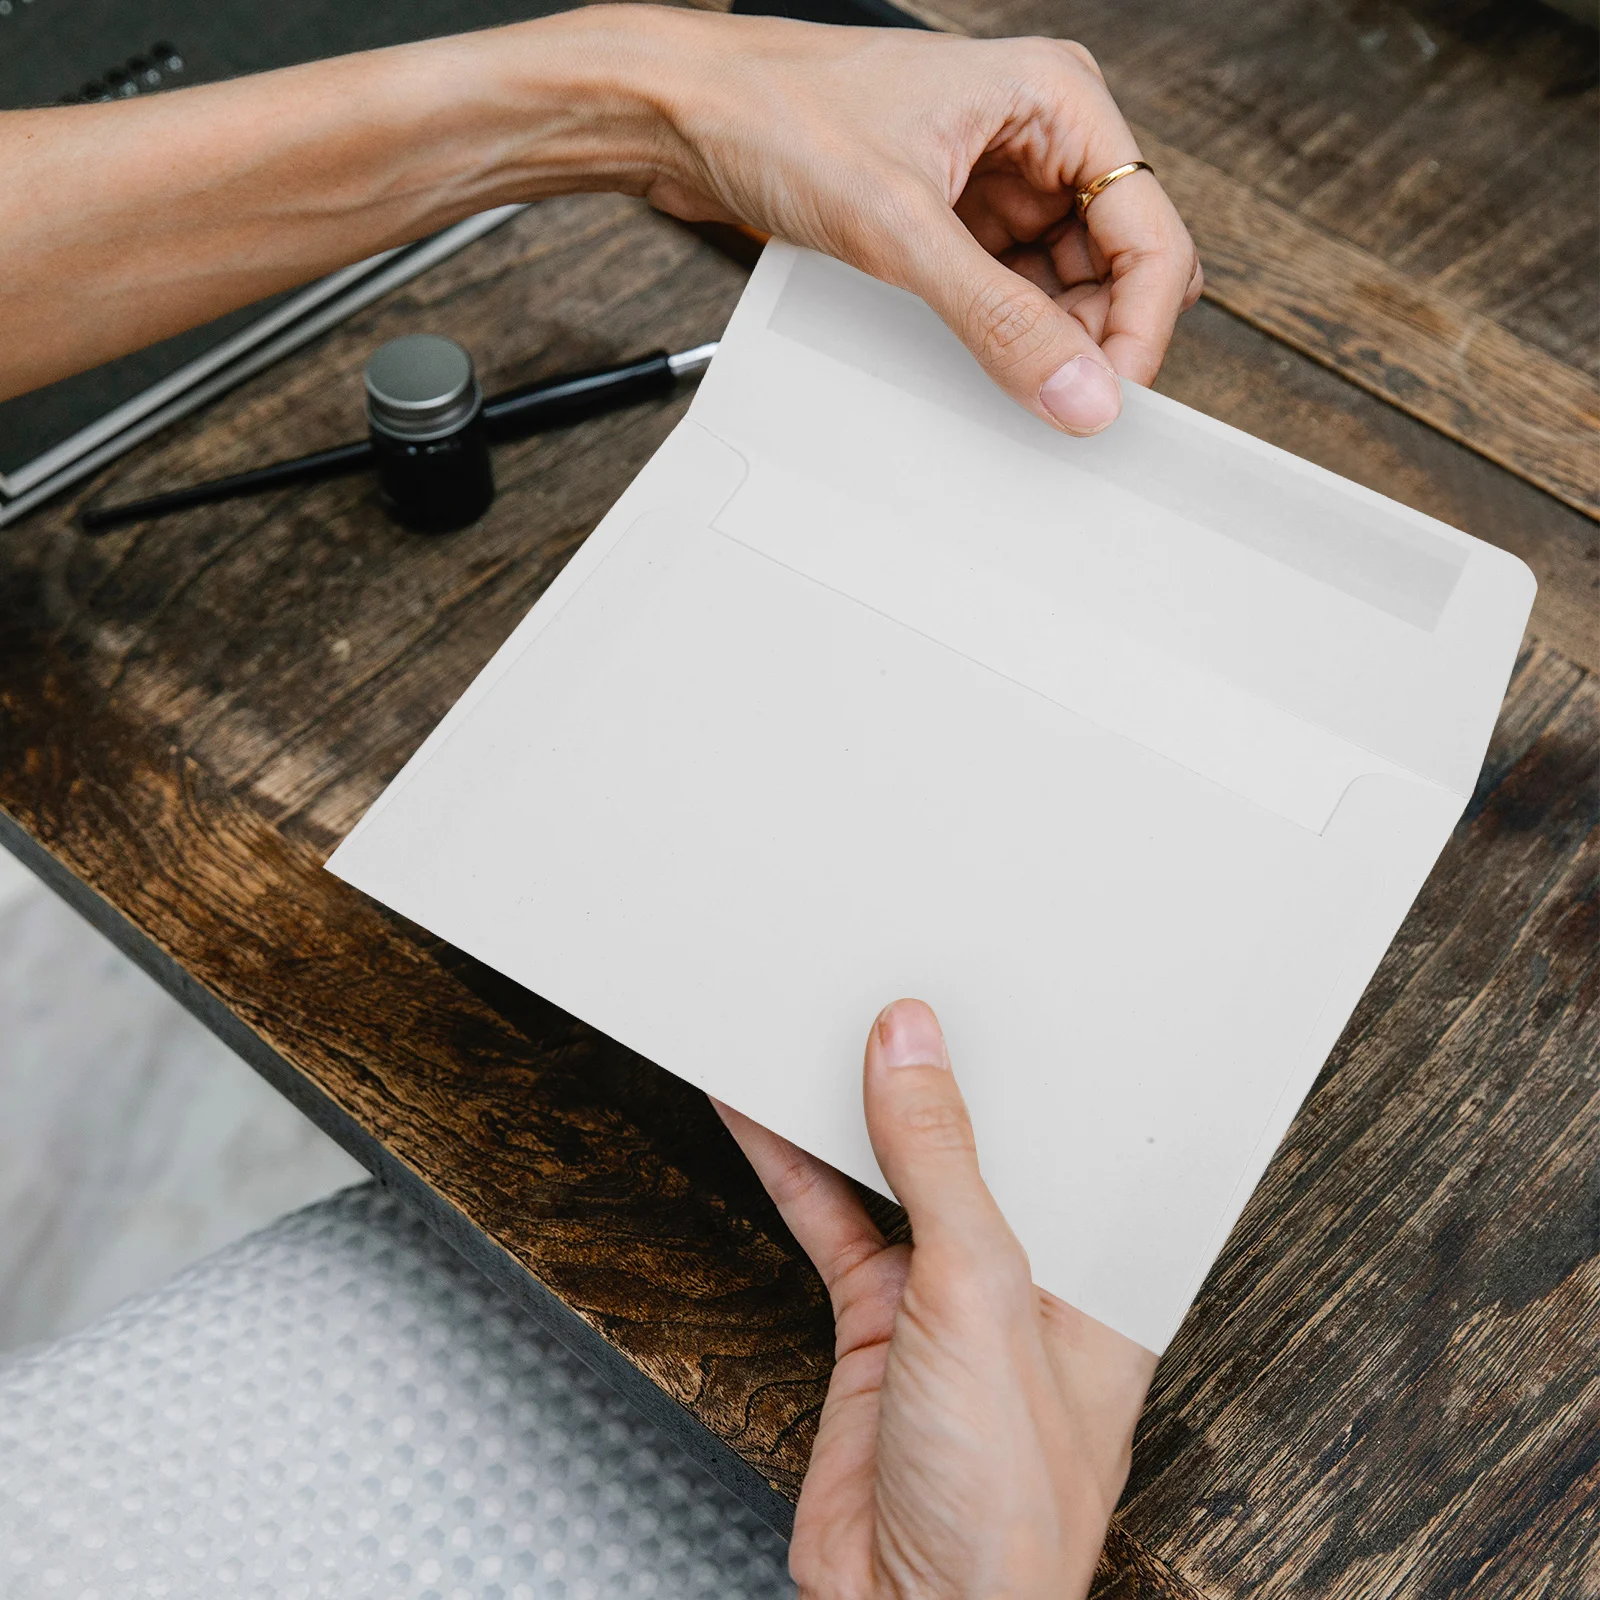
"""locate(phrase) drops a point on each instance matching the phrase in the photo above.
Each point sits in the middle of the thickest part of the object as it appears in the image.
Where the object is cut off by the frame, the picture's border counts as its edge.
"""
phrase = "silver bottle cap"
(421, 387)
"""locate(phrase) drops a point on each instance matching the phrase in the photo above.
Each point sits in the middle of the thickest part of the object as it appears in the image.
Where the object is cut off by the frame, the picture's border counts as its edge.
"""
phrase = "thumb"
(1040, 354)
(922, 1135)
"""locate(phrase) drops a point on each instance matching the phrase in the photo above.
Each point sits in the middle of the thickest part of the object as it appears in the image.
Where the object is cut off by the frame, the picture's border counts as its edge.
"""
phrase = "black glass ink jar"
(425, 415)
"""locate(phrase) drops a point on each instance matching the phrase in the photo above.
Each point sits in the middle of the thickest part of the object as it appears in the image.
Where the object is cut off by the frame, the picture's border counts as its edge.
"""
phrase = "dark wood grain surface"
(1388, 1386)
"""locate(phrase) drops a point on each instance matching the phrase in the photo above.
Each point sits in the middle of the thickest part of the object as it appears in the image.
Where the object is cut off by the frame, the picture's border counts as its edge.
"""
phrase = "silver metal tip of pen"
(688, 362)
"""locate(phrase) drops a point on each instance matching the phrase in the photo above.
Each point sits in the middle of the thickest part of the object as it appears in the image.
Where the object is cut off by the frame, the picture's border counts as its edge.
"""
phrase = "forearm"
(121, 224)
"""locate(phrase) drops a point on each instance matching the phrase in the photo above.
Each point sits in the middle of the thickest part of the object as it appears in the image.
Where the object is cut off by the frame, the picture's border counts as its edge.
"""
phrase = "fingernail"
(909, 1036)
(1082, 396)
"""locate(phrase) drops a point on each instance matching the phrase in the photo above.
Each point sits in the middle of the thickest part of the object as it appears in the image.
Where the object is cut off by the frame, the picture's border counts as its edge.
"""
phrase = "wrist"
(582, 101)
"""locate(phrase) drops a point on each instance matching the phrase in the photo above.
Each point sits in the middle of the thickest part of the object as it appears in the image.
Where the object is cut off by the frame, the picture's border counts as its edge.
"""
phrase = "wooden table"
(1388, 1385)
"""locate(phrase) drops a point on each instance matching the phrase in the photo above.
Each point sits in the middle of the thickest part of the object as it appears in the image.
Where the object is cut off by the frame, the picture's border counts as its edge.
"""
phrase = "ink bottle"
(425, 417)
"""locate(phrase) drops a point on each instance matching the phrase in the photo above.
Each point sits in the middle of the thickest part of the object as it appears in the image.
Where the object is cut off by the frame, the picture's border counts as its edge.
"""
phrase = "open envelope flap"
(1244, 612)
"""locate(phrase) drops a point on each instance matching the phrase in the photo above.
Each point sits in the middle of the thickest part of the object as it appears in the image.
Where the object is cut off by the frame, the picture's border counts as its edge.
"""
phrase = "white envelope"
(1127, 754)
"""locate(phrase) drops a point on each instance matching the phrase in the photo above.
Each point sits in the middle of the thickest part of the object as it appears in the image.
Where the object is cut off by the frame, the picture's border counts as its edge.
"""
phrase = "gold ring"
(1090, 190)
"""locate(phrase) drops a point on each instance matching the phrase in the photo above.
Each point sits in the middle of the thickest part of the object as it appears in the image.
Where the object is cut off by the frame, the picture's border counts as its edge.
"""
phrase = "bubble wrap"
(340, 1406)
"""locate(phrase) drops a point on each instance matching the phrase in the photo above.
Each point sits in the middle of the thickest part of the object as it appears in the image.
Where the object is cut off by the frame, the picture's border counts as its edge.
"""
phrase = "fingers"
(1088, 302)
(1131, 226)
(1080, 264)
(922, 1135)
(1153, 269)
(1037, 352)
(1001, 207)
(822, 1211)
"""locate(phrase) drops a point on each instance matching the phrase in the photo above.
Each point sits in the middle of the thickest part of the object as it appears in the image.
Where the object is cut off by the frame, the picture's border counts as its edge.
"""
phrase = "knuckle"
(1082, 55)
(793, 1178)
(1007, 322)
(940, 1127)
(1043, 56)
(1168, 255)
(1164, 233)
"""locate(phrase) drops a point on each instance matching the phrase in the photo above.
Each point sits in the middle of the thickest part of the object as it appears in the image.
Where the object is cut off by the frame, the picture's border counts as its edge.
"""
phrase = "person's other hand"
(948, 167)
(977, 1430)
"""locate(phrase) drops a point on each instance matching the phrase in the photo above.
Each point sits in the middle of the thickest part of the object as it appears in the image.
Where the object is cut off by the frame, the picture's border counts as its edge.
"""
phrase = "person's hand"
(977, 1430)
(948, 167)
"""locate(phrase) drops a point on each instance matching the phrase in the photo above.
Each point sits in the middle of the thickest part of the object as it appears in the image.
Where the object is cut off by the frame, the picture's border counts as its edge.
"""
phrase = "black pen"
(552, 403)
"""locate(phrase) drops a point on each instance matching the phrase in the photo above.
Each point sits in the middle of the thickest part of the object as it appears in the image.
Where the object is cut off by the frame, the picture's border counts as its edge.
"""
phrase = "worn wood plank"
(1395, 335)
(1127, 1571)
(192, 712)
